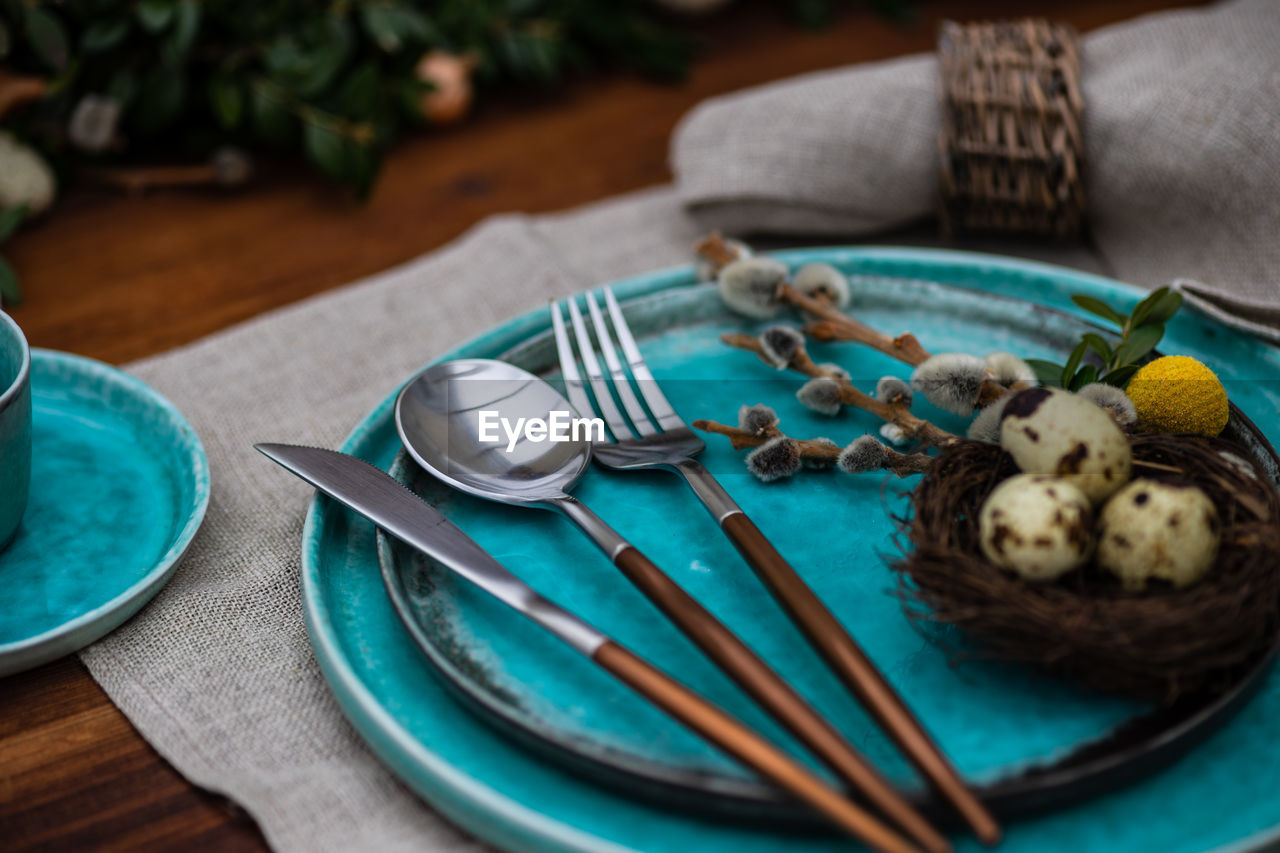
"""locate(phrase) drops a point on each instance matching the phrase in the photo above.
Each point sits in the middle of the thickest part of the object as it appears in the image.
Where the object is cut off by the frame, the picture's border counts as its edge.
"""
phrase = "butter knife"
(388, 504)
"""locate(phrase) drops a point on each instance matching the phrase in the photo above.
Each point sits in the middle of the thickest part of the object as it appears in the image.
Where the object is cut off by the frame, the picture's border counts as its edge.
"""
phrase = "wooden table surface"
(119, 278)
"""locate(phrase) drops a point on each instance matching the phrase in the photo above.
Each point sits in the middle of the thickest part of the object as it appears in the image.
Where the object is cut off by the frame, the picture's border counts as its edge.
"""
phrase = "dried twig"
(716, 250)
(817, 452)
(897, 413)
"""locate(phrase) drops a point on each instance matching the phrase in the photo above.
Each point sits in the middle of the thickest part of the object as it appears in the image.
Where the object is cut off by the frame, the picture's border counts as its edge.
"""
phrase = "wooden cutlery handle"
(751, 749)
(847, 659)
(777, 697)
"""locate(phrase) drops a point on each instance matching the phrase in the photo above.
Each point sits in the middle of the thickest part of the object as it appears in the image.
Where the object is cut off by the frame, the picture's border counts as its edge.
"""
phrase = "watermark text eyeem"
(560, 426)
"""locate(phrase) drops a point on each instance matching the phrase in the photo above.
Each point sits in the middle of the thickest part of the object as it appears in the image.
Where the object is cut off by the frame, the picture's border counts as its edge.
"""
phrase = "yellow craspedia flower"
(1178, 394)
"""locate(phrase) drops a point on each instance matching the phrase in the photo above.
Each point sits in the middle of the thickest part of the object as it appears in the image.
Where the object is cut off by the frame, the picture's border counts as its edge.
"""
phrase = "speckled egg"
(1054, 432)
(1151, 529)
(1039, 527)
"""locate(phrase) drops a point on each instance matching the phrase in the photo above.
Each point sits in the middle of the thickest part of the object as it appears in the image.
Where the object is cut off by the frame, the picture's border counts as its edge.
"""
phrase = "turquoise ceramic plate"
(119, 485)
(995, 721)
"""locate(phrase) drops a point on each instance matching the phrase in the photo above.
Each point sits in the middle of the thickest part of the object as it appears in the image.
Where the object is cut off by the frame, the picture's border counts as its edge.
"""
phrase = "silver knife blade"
(380, 498)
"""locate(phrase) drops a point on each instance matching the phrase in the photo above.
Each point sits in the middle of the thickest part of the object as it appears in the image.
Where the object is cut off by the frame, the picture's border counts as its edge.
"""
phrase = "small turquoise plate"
(119, 485)
(996, 721)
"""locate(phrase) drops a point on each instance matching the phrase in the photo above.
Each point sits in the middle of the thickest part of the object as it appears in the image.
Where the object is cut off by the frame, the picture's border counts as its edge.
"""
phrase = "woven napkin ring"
(1011, 145)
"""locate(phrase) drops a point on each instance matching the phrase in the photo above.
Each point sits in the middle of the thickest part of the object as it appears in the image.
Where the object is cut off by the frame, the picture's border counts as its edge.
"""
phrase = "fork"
(750, 672)
(659, 438)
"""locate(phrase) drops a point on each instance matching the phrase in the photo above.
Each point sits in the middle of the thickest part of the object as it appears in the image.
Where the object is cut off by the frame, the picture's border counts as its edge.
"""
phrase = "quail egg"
(1039, 527)
(1151, 529)
(1054, 432)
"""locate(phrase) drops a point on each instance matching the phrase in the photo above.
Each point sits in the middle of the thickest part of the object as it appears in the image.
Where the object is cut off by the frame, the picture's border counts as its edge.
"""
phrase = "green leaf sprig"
(1095, 359)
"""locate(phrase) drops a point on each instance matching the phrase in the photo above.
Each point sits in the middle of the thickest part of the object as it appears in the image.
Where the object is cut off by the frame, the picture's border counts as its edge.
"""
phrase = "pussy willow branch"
(832, 324)
(895, 412)
(901, 464)
(835, 325)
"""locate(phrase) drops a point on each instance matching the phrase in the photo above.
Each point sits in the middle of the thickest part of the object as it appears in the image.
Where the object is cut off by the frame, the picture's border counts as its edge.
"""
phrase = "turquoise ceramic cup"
(15, 427)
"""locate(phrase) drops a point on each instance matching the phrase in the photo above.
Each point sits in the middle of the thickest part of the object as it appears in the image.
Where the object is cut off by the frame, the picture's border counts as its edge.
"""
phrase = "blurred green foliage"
(334, 80)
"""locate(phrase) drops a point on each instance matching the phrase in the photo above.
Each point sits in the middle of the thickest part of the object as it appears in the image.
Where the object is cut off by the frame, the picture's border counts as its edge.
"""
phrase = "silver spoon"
(442, 414)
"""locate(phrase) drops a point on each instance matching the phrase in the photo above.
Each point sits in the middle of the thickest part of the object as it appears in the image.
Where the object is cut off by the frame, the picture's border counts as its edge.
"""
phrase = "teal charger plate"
(119, 486)
(507, 796)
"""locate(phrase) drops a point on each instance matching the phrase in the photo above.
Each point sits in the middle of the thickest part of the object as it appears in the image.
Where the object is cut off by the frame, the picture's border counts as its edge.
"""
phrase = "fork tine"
(662, 410)
(569, 365)
(635, 411)
(599, 388)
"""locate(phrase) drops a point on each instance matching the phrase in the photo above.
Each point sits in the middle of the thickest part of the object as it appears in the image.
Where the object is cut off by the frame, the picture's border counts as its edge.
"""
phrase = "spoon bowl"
(472, 423)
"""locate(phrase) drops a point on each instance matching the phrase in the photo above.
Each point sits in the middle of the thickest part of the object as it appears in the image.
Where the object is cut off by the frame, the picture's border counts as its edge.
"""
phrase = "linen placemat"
(217, 672)
(1182, 142)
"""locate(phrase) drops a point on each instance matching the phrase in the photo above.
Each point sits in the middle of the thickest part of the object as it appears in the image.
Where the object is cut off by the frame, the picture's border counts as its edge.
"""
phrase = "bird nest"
(1157, 644)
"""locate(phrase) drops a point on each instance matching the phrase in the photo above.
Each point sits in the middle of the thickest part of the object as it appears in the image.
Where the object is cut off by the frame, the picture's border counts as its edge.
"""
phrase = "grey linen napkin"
(1182, 133)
